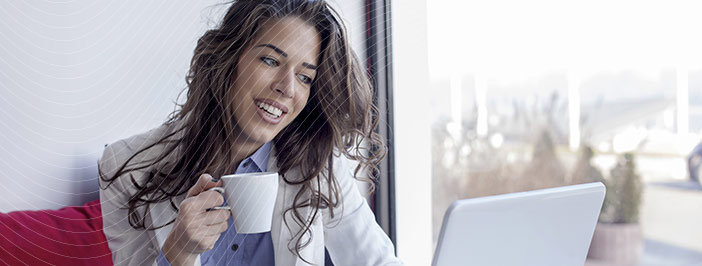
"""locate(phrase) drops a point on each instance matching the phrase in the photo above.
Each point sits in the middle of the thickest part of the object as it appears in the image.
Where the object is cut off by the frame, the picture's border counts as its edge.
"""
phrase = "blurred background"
(537, 94)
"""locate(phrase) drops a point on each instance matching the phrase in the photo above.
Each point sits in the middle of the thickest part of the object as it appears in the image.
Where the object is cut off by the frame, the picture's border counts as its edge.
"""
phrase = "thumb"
(204, 183)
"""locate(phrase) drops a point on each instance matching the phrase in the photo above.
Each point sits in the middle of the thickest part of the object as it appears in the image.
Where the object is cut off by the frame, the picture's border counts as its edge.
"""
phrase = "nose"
(285, 83)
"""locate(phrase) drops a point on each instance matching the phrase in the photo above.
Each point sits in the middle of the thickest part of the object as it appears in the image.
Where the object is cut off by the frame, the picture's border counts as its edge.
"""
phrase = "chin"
(263, 136)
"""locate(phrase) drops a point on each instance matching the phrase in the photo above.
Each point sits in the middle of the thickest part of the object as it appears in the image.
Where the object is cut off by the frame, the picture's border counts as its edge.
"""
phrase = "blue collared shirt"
(240, 249)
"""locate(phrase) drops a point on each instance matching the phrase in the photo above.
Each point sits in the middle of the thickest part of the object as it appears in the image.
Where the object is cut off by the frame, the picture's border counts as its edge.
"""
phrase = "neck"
(243, 149)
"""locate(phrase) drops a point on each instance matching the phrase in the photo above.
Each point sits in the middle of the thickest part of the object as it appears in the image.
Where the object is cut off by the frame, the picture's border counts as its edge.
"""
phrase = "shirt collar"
(260, 157)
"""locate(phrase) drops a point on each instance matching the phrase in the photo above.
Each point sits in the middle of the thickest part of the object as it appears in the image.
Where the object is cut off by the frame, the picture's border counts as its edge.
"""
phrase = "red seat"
(68, 236)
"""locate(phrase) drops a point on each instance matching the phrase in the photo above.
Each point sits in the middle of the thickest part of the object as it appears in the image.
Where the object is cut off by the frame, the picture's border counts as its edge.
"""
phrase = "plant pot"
(619, 244)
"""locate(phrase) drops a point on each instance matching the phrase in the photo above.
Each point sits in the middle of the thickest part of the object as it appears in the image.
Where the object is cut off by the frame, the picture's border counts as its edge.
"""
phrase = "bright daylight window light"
(512, 38)
(510, 41)
(683, 101)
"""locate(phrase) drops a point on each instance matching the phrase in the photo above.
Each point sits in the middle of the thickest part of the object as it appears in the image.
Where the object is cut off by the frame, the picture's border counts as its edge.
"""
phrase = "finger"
(211, 198)
(215, 229)
(203, 202)
(204, 182)
(216, 217)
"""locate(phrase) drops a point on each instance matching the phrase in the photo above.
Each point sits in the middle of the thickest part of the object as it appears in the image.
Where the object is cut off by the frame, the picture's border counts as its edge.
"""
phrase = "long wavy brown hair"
(339, 119)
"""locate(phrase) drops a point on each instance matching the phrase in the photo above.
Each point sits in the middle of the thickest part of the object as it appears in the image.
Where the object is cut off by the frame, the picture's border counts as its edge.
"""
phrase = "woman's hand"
(195, 229)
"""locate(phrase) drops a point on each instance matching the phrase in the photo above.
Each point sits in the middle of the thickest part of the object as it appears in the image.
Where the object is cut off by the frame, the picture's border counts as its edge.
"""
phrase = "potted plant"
(618, 237)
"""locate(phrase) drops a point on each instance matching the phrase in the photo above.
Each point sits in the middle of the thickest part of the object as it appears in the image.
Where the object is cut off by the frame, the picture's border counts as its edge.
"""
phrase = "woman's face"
(274, 76)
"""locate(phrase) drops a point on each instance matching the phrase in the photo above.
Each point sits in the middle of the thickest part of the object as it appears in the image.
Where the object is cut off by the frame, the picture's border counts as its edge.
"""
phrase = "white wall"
(412, 132)
(75, 75)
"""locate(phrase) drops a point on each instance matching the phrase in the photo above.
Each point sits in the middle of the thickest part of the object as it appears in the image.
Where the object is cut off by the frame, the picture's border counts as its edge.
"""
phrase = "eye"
(304, 78)
(270, 61)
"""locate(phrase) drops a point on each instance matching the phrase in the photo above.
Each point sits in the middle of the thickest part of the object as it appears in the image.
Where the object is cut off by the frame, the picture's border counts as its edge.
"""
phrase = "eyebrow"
(284, 54)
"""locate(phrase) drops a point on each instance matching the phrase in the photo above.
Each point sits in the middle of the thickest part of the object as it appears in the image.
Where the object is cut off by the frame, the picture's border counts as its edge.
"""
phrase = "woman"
(277, 88)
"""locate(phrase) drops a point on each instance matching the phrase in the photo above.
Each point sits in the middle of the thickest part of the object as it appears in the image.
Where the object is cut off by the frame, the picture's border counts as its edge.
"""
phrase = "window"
(493, 97)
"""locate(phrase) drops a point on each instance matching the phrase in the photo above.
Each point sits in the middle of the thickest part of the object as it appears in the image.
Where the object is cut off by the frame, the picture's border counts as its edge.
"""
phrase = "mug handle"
(221, 191)
(218, 189)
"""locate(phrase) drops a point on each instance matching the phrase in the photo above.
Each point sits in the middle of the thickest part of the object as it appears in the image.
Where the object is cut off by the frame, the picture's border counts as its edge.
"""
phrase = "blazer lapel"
(282, 233)
(279, 233)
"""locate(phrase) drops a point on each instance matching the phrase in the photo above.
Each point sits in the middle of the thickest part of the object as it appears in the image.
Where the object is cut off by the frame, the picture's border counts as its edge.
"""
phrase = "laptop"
(549, 227)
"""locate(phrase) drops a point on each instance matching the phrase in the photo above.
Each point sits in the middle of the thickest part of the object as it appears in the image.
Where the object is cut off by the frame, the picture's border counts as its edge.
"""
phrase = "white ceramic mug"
(251, 198)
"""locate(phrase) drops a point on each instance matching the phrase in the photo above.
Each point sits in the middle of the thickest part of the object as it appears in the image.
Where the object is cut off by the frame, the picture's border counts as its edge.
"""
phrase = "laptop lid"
(549, 227)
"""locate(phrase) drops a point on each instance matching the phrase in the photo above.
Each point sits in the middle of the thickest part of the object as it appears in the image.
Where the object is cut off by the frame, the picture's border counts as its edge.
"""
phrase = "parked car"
(694, 161)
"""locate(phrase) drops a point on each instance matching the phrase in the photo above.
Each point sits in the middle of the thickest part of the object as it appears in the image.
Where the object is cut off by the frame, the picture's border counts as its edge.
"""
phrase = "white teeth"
(274, 111)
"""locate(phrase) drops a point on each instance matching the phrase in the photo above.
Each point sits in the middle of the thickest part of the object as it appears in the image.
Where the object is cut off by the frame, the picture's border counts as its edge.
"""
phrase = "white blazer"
(352, 237)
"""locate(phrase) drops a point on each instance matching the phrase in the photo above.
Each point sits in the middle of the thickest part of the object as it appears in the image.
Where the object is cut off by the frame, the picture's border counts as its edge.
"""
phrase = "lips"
(272, 103)
(270, 111)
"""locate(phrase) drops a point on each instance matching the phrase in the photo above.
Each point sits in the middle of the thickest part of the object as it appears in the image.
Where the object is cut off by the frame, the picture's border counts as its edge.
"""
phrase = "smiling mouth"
(272, 111)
